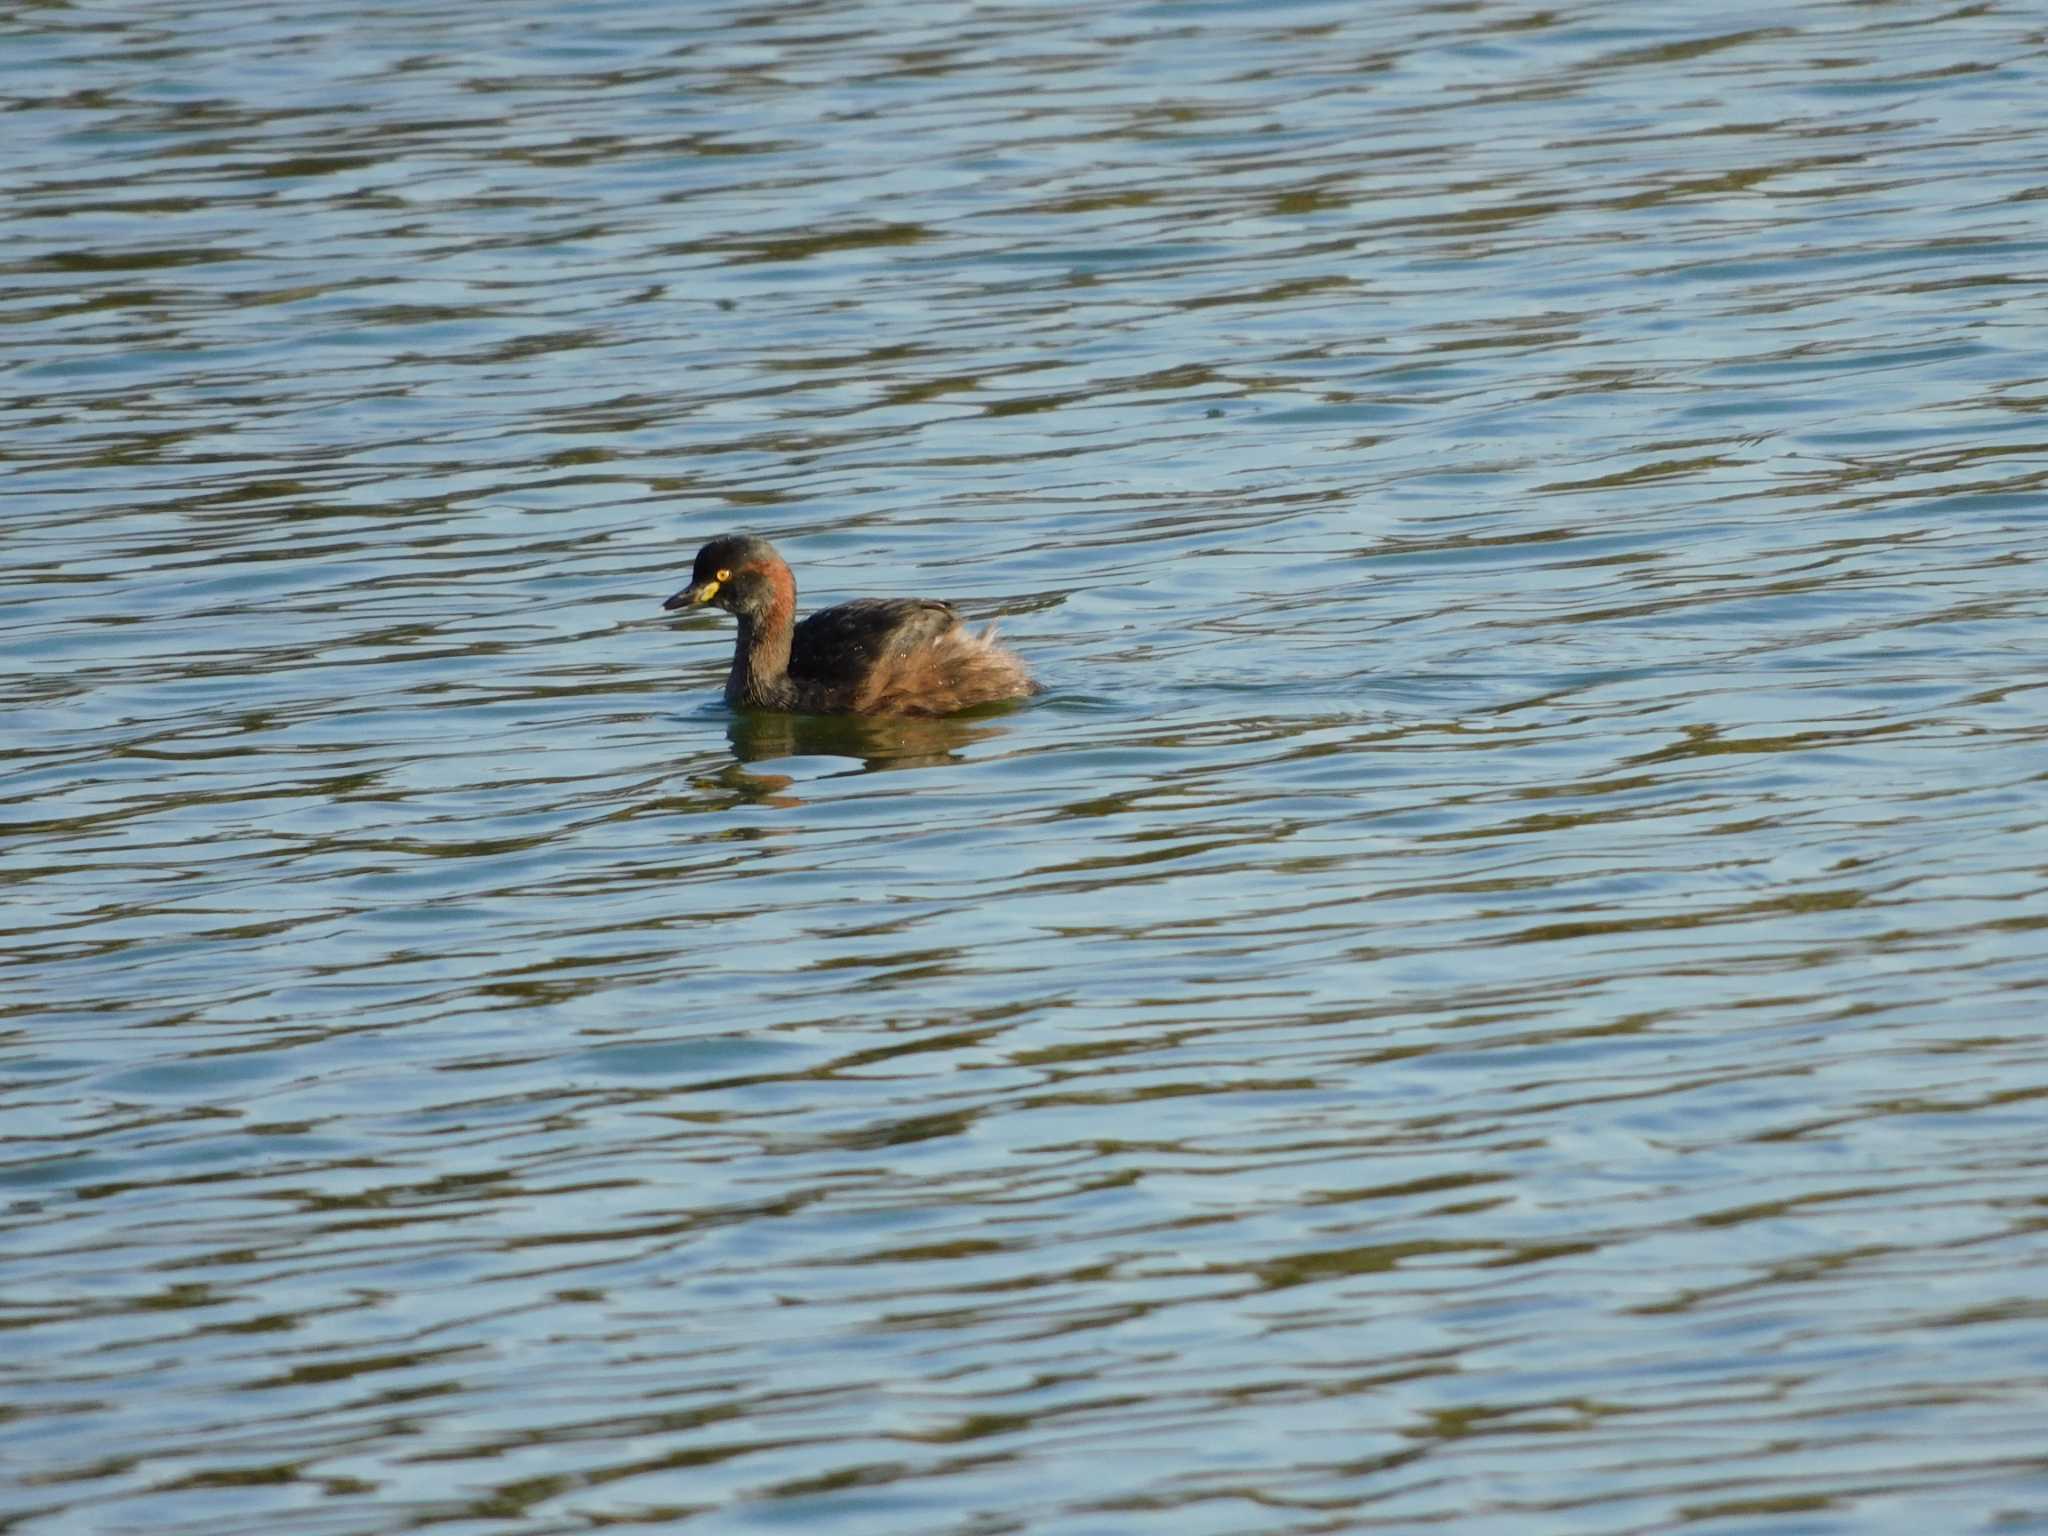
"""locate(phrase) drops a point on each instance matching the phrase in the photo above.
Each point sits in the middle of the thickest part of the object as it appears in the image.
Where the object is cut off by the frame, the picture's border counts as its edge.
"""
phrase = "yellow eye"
(725, 575)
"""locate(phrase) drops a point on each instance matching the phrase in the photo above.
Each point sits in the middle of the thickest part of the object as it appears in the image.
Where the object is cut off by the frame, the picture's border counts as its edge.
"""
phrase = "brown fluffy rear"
(953, 671)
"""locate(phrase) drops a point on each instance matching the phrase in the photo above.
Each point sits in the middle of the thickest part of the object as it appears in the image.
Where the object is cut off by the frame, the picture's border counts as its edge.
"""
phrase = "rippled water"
(1498, 990)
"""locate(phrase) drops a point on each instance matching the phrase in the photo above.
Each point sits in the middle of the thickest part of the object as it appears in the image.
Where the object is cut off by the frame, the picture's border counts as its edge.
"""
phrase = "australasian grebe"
(872, 656)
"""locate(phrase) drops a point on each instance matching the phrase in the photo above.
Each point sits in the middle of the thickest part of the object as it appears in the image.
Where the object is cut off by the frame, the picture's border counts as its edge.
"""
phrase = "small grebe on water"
(872, 656)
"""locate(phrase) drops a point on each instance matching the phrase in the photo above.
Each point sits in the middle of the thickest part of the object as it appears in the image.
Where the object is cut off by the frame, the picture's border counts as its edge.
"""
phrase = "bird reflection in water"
(878, 742)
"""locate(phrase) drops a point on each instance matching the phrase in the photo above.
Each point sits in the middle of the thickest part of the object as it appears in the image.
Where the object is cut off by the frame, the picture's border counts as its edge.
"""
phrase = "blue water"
(1497, 990)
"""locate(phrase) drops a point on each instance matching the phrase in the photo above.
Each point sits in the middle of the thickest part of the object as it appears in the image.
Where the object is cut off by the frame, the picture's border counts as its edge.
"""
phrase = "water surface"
(1497, 990)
